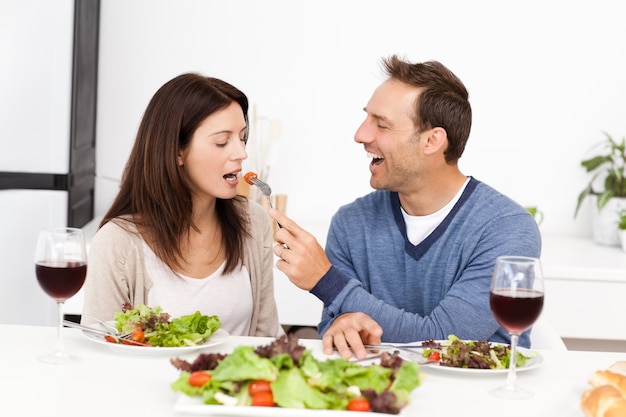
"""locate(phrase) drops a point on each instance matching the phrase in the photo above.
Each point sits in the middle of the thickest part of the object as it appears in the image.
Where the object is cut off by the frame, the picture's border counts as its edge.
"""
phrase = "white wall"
(545, 79)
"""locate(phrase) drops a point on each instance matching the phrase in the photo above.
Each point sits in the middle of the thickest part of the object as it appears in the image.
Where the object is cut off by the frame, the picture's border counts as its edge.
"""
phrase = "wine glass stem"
(511, 377)
(59, 342)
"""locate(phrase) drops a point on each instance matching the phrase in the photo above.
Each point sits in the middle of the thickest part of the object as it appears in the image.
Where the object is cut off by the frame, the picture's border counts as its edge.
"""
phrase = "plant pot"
(604, 222)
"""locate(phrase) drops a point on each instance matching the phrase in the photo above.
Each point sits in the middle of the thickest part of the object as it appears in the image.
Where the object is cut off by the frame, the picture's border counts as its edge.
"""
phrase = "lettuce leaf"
(291, 390)
(186, 330)
(243, 364)
(407, 378)
(189, 330)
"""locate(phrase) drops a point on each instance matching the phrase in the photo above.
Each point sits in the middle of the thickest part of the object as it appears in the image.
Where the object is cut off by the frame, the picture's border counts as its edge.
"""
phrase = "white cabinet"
(296, 307)
(585, 288)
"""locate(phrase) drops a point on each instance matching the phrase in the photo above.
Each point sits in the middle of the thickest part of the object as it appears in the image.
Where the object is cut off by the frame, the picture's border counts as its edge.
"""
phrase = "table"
(105, 382)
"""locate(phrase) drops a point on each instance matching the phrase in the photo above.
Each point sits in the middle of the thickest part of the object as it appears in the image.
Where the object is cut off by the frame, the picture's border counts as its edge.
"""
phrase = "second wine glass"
(61, 267)
(516, 300)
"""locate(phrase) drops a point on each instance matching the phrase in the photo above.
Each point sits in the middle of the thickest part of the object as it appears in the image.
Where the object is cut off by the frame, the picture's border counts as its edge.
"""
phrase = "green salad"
(480, 354)
(156, 328)
(285, 374)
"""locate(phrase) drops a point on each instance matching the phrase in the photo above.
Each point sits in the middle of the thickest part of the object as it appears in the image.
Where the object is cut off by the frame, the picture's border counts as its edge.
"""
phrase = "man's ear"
(437, 141)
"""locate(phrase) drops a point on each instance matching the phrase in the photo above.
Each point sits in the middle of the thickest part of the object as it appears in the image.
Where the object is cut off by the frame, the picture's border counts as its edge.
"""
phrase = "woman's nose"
(241, 152)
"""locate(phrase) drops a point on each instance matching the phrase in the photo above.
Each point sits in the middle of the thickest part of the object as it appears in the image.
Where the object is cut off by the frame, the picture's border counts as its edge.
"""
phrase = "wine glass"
(516, 300)
(61, 267)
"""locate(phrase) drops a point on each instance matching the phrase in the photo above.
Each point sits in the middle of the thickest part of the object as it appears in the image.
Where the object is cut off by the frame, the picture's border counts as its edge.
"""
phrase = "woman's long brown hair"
(155, 189)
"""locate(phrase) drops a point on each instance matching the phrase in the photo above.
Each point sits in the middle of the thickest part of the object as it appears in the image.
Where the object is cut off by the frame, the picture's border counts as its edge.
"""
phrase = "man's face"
(389, 136)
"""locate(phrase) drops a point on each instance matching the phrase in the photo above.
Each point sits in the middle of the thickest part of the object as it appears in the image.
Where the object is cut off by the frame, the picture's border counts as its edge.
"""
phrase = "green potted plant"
(608, 186)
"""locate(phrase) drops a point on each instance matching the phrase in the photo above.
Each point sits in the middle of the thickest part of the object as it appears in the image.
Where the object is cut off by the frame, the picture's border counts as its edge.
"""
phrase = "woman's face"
(213, 158)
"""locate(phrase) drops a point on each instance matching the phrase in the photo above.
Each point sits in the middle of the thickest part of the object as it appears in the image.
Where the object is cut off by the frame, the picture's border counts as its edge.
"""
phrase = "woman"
(177, 235)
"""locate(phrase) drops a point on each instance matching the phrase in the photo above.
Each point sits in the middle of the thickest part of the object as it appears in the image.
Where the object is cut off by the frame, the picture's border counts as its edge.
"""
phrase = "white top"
(419, 227)
(228, 296)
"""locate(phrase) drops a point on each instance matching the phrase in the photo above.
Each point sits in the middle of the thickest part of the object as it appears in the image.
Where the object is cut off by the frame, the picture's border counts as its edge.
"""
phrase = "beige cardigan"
(116, 272)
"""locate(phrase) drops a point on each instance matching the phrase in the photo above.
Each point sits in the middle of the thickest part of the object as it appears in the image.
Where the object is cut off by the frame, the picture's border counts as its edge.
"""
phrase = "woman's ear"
(179, 159)
(437, 141)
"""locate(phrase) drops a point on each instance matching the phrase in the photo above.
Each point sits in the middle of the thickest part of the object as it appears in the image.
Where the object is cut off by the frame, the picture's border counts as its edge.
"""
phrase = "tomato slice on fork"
(250, 175)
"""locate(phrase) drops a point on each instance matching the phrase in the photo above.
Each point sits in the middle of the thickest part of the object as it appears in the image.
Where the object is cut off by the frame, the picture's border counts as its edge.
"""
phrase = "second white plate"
(535, 360)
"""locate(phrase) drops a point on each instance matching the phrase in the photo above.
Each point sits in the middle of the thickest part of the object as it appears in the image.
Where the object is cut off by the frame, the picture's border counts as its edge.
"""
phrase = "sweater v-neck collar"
(417, 251)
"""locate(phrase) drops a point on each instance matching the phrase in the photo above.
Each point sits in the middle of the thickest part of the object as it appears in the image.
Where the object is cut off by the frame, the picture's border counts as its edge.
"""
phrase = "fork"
(111, 329)
(405, 352)
(265, 189)
(108, 326)
(103, 333)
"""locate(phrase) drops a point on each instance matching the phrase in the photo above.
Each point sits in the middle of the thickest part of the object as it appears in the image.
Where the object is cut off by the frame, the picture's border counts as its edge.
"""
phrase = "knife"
(386, 347)
(405, 352)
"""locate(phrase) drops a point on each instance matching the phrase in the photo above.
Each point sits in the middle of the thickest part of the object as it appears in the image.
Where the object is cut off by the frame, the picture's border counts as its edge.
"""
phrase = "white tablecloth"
(109, 383)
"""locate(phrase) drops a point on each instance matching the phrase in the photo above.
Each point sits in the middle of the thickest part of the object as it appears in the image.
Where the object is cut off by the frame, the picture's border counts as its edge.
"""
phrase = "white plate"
(194, 405)
(220, 336)
(535, 360)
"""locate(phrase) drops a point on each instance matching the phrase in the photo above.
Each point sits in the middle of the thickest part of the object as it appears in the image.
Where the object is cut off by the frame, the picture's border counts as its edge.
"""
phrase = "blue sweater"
(437, 288)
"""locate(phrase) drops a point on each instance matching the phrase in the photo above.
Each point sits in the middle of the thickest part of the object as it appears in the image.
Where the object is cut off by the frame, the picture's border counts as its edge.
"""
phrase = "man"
(413, 259)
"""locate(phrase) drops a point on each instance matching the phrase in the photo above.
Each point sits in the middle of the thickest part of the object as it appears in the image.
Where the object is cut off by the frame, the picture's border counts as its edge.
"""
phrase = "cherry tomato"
(138, 335)
(434, 356)
(199, 378)
(248, 176)
(263, 399)
(259, 386)
(359, 404)
(110, 339)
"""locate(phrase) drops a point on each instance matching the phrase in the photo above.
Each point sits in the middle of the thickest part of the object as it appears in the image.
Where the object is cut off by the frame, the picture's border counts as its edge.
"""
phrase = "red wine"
(516, 311)
(61, 279)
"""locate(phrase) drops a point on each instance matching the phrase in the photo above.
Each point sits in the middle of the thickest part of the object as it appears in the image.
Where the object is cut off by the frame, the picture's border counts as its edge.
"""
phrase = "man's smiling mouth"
(376, 159)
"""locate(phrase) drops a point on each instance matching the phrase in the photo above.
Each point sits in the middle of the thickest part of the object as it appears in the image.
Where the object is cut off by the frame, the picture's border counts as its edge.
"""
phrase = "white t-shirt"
(419, 227)
(227, 296)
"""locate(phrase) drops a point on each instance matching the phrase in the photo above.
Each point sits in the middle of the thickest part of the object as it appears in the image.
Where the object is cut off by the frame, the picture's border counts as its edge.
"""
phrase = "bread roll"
(607, 397)
(609, 378)
(603, 401)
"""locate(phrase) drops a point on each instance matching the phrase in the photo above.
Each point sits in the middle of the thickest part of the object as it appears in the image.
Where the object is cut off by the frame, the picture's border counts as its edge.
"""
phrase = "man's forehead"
(393, 99)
